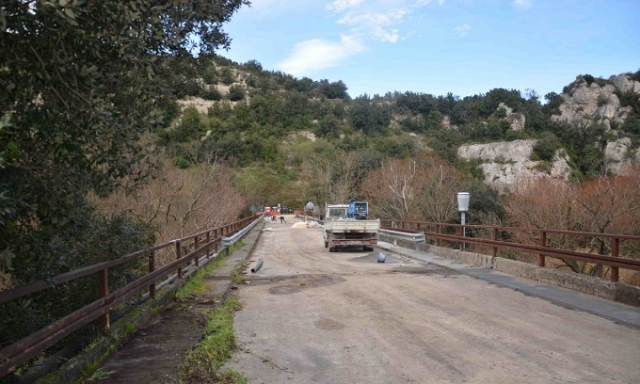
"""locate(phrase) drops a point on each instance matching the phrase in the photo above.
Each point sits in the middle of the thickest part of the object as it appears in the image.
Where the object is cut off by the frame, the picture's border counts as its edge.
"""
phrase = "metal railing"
(494, 237)
(204, 243)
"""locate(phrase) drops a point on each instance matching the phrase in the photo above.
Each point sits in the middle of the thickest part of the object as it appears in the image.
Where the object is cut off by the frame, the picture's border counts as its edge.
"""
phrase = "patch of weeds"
(156, 310)
(196, 283)
(100, 374)
(235, 246)
(236, 274)
(229, 376)
(94, 341)
(239, 279)
(129, 328)
(204, 361)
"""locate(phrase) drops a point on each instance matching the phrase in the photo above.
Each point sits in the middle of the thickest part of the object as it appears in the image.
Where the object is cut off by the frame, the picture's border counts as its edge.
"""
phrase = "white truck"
(342, 231)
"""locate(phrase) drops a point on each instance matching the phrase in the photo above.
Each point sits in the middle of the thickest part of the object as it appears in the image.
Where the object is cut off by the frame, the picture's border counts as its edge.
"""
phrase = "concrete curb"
(590, 285)
(476, 266)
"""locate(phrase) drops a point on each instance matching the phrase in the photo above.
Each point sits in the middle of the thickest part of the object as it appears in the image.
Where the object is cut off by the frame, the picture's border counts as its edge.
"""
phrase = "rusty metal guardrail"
(203, 243)
(435, 231)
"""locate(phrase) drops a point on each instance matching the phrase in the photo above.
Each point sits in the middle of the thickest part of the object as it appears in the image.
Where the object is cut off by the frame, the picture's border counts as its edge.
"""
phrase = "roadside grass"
(203, 362)
(197, 284)
(100, 374)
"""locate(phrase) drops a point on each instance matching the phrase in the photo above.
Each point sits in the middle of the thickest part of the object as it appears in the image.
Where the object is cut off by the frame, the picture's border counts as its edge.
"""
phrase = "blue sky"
(466, 47)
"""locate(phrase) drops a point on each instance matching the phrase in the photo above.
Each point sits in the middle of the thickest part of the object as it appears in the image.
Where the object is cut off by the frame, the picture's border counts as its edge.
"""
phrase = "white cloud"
(463, 30)
(377, 25)
(341, 5)
(522, 4)
(427, 2)
(375, 19)
(316, 54)
(365, 21)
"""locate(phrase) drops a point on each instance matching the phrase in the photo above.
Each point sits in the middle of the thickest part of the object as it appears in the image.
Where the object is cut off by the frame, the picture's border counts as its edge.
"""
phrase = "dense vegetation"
(82, 87)
(259, 125)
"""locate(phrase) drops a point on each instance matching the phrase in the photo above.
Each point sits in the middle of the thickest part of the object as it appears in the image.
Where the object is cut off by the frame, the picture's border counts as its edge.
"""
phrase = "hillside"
(263, 120)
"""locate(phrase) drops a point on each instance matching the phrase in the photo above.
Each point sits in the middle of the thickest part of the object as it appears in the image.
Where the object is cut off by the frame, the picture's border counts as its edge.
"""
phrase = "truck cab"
(358, 210)
(348, 226)
(336, 211)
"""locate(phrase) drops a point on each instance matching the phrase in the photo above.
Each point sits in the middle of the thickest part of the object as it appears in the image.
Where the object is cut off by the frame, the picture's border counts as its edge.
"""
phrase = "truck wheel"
(331, 249)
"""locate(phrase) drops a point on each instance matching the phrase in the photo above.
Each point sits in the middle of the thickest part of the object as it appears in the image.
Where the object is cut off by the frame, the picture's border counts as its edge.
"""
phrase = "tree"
(82, 82)
(368, 116)
(543, 204)
(420, 189)
(236, 93)
(608, 205)
(190, 126)
(227, 76)
(329, 126)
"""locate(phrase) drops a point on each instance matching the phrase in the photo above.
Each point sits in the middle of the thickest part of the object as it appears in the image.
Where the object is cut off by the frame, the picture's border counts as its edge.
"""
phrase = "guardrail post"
(178, 257)
(402, 225)
(197, 245)
(438, 232)
(152, 267)
(208, 246)
(495, 238)
(615, 250)
(543, 243)
(103, 290)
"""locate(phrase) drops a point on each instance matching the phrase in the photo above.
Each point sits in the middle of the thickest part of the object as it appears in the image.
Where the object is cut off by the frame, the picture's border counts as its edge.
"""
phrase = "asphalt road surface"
(311, 316)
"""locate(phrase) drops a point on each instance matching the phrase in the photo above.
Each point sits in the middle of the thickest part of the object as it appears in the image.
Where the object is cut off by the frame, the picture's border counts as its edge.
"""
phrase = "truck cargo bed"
(353, 226)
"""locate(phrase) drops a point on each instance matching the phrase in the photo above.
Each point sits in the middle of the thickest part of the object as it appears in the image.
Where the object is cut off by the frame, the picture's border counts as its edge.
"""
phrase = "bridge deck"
(311, 316)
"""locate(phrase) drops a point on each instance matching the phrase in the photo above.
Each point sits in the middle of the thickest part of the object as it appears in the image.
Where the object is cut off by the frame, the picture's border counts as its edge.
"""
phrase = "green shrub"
(589, 79)
(210, 75)
(512, 135)
(226, 76)
(236, 93)
(212, 94)
(181, 162)
(190, 126)
(190, 88)
(545, 148)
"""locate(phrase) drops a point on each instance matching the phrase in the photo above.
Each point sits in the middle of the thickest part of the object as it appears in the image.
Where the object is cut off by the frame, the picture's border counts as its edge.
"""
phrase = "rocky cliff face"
(507, 163)
(598, 102)
(586, 103)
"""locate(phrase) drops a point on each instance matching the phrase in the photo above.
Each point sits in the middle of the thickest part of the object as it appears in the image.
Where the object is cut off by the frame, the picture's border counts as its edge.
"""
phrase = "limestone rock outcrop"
(619, 154)
(585, 103)
(517, 120)
(506, 163)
